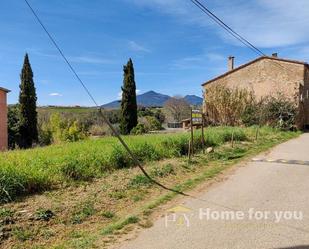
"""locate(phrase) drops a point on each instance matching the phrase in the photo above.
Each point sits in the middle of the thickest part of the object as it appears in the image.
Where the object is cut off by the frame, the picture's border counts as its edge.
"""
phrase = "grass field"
(35, 170)
(95, 194)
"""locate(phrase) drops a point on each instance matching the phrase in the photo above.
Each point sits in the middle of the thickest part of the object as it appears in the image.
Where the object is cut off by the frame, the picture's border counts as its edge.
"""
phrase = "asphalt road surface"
(262, 205)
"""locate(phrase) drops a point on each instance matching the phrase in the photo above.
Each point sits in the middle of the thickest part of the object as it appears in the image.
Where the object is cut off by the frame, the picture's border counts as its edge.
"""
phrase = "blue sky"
(174, 46)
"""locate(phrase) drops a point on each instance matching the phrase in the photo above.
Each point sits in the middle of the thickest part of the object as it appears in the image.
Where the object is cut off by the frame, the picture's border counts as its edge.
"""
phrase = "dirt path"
(262, 205)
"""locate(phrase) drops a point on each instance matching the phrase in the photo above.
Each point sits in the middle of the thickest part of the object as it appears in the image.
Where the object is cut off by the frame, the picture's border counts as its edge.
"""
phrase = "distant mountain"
(194, 100)
(154, 99)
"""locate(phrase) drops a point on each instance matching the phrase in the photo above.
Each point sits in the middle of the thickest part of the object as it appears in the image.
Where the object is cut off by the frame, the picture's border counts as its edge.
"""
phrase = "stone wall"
(3, 121)
(305, 94)
(268, 77)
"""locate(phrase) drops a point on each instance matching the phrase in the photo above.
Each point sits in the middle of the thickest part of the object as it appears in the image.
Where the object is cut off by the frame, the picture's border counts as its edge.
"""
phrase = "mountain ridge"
(155, 99)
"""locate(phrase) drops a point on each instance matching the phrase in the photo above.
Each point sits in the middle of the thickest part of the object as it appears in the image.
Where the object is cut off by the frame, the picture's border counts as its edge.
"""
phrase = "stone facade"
(3, 120)
(270, 75)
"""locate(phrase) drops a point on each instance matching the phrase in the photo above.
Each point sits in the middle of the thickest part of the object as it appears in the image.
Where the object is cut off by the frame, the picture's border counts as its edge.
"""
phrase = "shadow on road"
(295, 247)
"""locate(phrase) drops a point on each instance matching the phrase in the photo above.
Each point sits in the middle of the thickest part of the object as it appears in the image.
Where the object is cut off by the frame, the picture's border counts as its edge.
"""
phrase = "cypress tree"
(27, 107)
(128, 118)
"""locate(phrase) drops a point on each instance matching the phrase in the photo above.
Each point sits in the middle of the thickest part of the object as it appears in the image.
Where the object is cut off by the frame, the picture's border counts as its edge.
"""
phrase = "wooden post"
(257, 133)
(192, 142)
(203, 138)
(189, 151)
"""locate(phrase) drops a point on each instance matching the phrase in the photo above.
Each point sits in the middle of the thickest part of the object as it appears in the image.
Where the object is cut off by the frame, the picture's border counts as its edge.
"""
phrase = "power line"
(115, 132)
(132, 155)
(232, 32)
(226, 27)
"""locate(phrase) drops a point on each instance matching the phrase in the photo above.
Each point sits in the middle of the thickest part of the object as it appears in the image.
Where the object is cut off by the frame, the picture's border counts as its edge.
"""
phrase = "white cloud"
(119, 96)
(55, 95)
(265, 23)
(269, 23)
(137, 47)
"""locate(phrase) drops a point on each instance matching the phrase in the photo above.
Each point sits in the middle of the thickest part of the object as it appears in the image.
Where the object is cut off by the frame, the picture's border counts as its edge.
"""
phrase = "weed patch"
(140, 180)
(83, 211)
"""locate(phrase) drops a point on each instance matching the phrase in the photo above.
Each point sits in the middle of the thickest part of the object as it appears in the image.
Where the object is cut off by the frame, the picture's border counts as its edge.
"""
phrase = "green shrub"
(140, 180)
(146, 152)
(164, 171)
(77, 169)
(139, 130)
(83, 211)
(120, 158)
(108, 214)
(152, 123)
(44, 214)
(22, 234)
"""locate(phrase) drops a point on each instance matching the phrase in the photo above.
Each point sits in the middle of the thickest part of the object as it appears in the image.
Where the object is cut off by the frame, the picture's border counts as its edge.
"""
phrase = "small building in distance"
(269, 75)
(3, 119)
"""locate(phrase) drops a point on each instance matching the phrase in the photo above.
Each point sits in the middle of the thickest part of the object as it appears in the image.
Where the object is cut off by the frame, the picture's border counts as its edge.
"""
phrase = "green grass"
(119, 225)
(82, 212)
(31, 171)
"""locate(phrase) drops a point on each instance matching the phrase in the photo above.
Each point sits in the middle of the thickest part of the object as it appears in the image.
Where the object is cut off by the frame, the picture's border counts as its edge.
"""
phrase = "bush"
(279, 112)
(146, 152)
(151, 123)
(100, 130)
(76, 169)
(226, 106)
(139, 130)
(65, 131)
(119, 158)
(140, 180)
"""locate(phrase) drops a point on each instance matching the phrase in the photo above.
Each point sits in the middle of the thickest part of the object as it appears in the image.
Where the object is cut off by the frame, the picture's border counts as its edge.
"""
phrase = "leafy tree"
(139, 129)
(13, 126)
(128, 119)
(27, 107)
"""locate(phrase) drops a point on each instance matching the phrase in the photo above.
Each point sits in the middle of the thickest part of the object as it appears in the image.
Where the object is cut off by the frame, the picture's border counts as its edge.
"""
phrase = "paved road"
(262, 205)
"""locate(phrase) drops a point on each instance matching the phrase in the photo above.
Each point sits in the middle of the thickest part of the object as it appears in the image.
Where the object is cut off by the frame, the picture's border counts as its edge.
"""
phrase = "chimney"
(230, 63)
(275, 55)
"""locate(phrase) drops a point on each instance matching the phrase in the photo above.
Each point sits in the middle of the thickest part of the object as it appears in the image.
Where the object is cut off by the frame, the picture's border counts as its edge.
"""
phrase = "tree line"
(27, 127)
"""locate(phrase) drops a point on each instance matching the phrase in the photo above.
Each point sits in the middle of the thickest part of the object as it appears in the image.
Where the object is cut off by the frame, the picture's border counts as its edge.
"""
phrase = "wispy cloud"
(55, 95)
(200, 61)
(265, 23)
(137, 47)
(90, 60)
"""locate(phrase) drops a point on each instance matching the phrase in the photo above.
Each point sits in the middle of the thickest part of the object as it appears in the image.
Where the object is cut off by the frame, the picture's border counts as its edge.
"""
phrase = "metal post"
(192, 142)
(203, 138)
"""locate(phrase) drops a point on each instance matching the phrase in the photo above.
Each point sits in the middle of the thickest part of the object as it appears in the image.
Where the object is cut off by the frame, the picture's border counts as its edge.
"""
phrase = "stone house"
(3, 119)
(268, 75)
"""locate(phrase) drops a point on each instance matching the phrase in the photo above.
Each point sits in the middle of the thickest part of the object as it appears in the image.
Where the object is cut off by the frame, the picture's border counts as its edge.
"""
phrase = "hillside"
(152, 99)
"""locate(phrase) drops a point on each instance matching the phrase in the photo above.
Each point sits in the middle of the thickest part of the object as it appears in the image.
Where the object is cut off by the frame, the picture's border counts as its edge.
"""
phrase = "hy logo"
(178, 215)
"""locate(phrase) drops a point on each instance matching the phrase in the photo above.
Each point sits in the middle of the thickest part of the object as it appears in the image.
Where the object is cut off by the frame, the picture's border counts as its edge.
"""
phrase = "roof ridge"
(4, 89)
(251, 62)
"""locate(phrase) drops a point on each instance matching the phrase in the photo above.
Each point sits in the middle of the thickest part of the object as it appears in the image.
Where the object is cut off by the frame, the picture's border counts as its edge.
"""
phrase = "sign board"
(197, 117)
